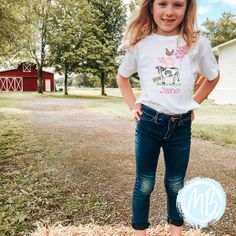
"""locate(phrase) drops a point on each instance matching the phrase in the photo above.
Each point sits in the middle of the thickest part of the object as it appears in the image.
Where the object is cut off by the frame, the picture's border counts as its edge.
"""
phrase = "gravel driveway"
(94, 153)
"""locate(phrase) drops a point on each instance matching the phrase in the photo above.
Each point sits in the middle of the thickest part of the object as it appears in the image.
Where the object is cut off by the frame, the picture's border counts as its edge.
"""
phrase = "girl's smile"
(168, 21)
(168, 15)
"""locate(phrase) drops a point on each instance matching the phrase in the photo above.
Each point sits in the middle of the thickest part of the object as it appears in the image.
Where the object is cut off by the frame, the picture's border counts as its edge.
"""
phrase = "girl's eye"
(178, 5)
(162, 4)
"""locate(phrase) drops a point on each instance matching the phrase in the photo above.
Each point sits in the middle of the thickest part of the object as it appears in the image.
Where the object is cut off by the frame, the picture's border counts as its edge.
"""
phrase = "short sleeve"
(129, 64)
(207, 62)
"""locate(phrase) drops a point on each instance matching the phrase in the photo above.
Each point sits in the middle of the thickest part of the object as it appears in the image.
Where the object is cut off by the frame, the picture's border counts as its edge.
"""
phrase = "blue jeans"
(173, 134)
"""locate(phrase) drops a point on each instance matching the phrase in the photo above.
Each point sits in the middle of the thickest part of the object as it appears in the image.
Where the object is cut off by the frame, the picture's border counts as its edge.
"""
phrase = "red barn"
(24, 78)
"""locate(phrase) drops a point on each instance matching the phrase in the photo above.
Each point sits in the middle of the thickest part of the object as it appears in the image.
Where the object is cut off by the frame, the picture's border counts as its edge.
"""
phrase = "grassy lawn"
(23, 190)
(213, 122)
(27, 193)
(216, 123)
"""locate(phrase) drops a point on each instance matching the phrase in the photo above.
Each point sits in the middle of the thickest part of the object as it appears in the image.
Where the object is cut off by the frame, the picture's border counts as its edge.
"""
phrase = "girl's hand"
(136, 112)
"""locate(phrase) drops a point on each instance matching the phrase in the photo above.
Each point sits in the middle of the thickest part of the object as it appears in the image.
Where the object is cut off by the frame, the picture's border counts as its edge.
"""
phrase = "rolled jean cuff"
(140, 226)
(175, 222)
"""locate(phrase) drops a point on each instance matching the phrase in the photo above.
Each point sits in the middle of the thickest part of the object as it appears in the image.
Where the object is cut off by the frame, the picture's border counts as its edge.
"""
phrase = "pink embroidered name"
(170, 90)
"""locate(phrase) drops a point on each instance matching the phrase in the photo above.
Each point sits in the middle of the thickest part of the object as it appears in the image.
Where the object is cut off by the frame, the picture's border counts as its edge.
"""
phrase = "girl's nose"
(169, 10)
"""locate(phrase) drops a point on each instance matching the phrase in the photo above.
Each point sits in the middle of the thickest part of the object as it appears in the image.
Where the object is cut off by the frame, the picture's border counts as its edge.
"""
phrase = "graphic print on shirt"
(168, 75)
(169, 70)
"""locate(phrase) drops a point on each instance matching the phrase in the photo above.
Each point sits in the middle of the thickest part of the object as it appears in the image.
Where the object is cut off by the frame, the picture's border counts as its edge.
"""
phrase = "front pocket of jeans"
(186, 121)
(146, 116)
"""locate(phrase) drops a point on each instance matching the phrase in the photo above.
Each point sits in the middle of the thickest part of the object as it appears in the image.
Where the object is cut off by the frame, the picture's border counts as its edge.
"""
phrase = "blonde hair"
(143, 23)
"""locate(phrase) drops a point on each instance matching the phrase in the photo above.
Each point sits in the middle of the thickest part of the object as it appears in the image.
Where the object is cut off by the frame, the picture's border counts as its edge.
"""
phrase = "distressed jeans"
(154, 131)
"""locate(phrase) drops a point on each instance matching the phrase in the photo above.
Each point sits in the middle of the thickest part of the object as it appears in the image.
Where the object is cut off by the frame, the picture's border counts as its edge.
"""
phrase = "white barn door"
(47, 85)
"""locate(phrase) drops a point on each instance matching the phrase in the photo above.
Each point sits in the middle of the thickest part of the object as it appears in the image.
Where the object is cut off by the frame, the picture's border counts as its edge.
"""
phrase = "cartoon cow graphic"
(167, 75)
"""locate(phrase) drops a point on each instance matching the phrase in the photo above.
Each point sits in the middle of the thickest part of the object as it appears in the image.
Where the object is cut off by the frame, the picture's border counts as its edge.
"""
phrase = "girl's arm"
(127, 93)
(205, 89)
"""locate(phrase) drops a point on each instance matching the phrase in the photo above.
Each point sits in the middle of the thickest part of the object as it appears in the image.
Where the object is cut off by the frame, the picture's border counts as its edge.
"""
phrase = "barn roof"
(225, 44)
(5, 71)
(13, 70)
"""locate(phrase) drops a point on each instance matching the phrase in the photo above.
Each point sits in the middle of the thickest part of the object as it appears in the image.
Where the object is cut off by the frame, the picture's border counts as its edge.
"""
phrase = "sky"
(211, 9)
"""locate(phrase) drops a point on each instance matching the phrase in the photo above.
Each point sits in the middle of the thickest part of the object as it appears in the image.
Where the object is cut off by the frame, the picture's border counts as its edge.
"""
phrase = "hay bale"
(95, 230)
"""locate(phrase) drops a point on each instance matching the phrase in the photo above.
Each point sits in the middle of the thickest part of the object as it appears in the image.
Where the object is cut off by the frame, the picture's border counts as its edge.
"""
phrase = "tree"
(133, 5)
(72, 40)
(35, 15)
(220, 31)
(11, 29)
(110, 19)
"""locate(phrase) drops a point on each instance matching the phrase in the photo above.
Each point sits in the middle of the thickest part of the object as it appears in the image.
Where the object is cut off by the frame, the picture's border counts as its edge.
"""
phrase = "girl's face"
(168, 15)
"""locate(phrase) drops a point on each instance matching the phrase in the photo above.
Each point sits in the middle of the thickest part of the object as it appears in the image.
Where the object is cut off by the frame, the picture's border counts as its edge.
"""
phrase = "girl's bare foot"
(140, 232)
(175, 230)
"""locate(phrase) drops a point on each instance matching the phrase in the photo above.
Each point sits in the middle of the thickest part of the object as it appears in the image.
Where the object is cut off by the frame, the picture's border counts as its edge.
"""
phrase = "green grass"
(112, 105)
(24, 194)
(216, 123)
(213, 122)
(27, 193)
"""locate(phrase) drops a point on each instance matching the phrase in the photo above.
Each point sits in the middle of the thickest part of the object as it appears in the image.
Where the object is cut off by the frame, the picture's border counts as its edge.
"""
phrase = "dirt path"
(93, 154)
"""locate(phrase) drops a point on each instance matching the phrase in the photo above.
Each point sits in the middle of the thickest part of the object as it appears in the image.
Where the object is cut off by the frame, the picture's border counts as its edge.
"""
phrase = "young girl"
(167, 55)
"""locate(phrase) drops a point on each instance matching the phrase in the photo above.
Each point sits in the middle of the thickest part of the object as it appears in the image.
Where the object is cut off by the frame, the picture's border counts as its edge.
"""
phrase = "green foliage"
(110, 18)
(220, 31)
(133, 5)
(92, 81)
(85, 38)
(34, 17)
(86, 80)
(11, 29)
(24, 32)
(71, 37)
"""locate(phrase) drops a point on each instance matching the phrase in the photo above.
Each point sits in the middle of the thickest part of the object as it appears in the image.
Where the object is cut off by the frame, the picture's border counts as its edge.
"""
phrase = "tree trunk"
(103, 77)
(41, 62)
(66, 81)
(40, 79)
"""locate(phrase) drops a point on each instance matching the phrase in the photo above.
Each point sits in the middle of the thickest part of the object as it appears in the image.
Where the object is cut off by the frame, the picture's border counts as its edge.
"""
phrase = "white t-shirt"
(167, 71)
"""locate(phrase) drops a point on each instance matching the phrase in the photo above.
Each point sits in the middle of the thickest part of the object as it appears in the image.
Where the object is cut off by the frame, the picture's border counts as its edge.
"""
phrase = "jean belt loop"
(155, 118)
